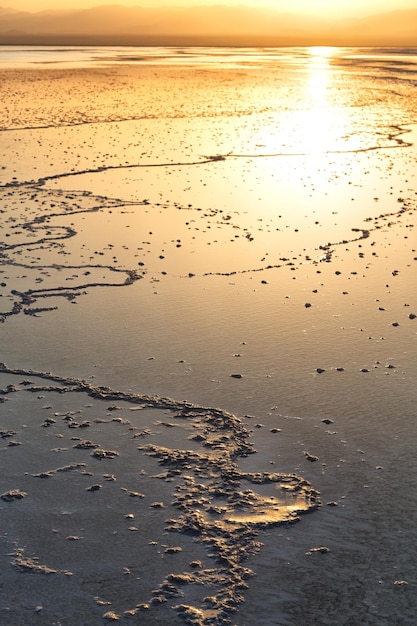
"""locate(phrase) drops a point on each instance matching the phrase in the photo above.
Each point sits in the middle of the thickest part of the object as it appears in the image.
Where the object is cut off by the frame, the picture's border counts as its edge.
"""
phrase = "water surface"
(232, 229)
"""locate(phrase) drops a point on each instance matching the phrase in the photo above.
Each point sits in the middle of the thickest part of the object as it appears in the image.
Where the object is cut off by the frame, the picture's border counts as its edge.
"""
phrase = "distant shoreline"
(204, 41)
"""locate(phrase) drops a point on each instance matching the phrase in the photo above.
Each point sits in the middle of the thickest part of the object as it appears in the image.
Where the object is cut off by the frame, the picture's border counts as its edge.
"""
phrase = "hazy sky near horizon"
(320, 8)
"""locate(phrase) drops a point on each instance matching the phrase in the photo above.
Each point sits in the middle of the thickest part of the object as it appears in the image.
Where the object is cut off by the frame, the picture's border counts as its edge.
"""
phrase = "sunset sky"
(333, 8)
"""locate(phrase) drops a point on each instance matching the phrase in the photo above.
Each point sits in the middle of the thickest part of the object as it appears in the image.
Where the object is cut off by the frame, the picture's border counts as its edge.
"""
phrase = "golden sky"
(319, 8)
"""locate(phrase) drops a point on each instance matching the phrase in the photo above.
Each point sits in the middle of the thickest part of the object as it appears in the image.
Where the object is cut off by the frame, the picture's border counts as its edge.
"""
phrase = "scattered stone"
(85, 444)
(104, 454)
(311, 457)
(132, 494)
(48, 422)
(236, 376)
(13, 494)
(321, 550)
(30, 564)
(173, 550)
(111, 616)
(4, 434)
(94, 488)
(308, 305)
(320, 370)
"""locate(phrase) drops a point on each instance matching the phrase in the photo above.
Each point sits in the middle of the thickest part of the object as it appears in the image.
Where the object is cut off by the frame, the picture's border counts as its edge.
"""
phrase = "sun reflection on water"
(319, 72)
(320, 123)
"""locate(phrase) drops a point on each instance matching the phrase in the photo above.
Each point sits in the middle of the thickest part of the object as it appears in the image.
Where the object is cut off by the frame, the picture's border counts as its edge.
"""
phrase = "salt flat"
(209, 319)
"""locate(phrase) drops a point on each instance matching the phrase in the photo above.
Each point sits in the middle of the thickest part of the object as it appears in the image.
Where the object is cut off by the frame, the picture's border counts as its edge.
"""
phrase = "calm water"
(260, 204)
(395, 59)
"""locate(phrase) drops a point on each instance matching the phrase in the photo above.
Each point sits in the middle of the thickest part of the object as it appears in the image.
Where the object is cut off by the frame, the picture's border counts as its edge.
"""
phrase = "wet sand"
(208, 330)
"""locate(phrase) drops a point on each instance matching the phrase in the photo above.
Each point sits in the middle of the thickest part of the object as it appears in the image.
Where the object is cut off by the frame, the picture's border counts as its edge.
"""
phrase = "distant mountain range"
(210, 25)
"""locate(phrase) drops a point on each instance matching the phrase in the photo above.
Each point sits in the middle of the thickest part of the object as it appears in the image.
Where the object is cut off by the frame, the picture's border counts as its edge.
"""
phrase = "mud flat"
(89, 517)
(240, 237)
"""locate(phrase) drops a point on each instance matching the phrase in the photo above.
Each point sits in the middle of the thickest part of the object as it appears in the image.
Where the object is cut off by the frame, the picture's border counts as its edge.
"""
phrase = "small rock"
(13, 494)
(93, 488)
(173, 550)
(321, 549)
(311, 457)
(105, 454)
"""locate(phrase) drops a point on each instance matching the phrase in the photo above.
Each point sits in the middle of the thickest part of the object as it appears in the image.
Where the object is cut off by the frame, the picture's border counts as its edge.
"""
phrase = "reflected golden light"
(319, 68)
(316, 122)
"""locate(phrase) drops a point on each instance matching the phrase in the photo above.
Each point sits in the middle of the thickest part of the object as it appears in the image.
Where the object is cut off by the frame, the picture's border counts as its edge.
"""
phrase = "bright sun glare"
(319, 68)
(316, 121)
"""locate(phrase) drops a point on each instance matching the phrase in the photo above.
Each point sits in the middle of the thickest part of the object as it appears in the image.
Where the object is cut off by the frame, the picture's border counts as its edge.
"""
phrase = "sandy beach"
(208, 270)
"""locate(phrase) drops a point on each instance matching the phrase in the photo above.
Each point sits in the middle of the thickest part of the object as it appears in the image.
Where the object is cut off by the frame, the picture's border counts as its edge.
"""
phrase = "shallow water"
(227, 228)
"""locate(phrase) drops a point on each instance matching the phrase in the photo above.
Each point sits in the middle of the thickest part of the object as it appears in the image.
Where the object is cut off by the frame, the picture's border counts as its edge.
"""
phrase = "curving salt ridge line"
(6, 129)
(399, 143)
(391, 136)
(327, 248)
(139, 118)
(97, 170)
(215, 506)
(30, 296)
(106, 393)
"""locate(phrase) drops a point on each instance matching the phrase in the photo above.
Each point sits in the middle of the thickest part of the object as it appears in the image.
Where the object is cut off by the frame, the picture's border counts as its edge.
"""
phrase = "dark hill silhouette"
(217, 25)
